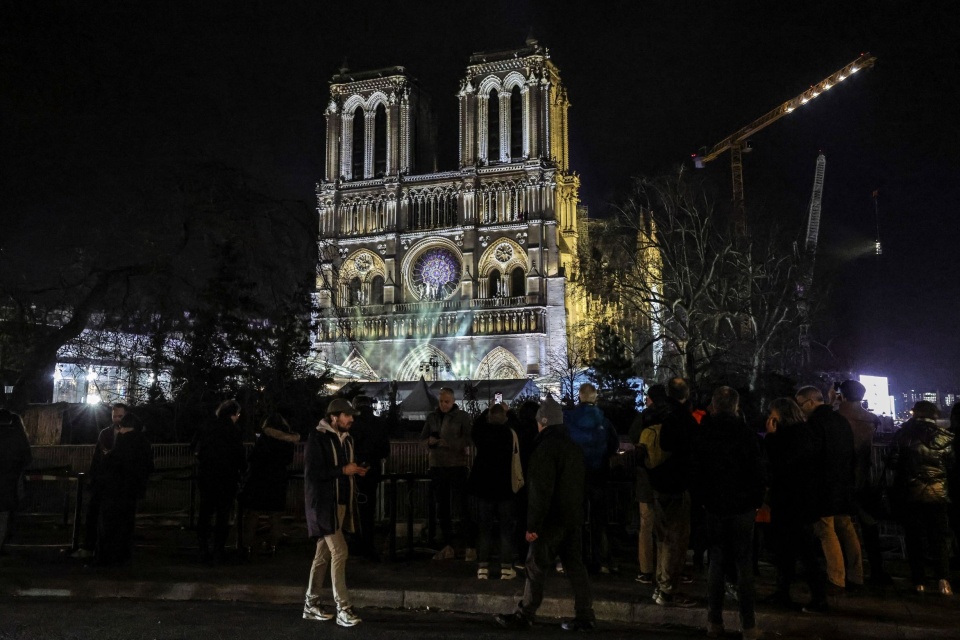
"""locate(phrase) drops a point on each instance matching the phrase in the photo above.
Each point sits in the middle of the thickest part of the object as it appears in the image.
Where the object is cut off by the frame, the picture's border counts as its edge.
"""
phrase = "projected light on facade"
(436, 273)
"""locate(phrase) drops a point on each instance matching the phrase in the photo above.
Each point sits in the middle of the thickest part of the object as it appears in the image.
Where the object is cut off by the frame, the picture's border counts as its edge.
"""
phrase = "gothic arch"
(354, 266)
(499, 364)
(410, 367)
(514, 79)
(350, 106)
(490, 259)
(377, 97)
(488, 83)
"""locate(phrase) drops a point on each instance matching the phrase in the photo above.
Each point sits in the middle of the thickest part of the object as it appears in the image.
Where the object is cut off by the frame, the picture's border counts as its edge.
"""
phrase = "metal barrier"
(53, 492)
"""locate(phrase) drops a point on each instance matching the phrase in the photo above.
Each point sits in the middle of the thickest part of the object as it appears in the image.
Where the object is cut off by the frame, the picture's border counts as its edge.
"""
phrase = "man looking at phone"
(329, 492)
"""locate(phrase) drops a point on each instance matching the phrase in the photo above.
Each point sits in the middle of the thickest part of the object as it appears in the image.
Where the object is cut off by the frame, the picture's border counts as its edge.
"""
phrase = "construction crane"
(737, 143)
(810, 256)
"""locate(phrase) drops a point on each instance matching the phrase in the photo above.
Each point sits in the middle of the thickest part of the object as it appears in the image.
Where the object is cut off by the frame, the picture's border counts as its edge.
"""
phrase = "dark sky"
(100, 98)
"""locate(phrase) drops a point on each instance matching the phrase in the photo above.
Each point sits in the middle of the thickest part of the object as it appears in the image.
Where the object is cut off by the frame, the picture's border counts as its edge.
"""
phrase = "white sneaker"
(347, 618)
(483, 573)
(507, 573)
(82, 554)
(316, 612)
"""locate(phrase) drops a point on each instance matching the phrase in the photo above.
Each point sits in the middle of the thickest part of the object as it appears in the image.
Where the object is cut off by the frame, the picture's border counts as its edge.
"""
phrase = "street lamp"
(434, 363)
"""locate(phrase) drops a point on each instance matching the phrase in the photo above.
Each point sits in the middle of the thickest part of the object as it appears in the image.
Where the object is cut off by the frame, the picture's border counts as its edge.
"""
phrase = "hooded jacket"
(922, 456)
(324, 485)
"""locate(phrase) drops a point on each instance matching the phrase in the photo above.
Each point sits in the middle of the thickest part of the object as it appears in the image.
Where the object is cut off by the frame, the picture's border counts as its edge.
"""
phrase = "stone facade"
(451, 274)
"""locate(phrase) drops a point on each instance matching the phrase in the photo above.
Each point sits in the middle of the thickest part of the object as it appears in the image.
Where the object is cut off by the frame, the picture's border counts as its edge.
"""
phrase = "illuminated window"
(358, 144)
(516, 124)
(493, 127)
(376, 290)
(436, 274)
(380, 141)
(518, 284)
(494, 284)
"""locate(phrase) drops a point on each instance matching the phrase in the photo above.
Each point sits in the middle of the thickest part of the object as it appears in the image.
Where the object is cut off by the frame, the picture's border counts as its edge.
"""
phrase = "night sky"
(98, 99)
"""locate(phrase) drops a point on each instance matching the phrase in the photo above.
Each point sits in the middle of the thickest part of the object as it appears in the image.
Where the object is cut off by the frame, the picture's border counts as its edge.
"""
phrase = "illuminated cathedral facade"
(459, 274)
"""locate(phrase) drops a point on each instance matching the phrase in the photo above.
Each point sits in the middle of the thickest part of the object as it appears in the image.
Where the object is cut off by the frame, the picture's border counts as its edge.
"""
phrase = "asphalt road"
(56, 619)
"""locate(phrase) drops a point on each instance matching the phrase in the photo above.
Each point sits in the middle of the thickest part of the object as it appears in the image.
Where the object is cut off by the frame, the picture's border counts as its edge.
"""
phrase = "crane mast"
(809, 258)
(736, 142)
(813, 215)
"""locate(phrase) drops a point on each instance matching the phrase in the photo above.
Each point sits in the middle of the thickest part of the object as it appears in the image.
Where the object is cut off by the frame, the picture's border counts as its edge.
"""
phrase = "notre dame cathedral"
(448, 274)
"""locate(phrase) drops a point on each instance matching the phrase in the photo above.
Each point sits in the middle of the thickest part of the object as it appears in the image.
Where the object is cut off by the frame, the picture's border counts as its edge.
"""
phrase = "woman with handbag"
(921, 458)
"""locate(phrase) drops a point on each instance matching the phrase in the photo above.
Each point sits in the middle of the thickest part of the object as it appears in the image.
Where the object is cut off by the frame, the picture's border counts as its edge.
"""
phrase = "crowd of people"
(536, 477)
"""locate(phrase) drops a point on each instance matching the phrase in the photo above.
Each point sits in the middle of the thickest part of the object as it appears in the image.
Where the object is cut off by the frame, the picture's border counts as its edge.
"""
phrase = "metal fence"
(52, 490)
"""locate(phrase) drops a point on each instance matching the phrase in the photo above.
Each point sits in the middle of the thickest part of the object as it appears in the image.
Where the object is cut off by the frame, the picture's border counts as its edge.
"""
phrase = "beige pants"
(841, 548)
(332, 551)
(646, 553)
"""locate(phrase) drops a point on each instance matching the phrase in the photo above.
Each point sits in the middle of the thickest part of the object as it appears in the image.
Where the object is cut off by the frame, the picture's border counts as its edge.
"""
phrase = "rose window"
(363, 263)
(436, 274)
(503, 252)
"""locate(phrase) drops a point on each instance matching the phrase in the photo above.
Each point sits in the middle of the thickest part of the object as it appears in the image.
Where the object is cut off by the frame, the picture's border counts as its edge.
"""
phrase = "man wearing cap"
(555, 481)
(328, 486)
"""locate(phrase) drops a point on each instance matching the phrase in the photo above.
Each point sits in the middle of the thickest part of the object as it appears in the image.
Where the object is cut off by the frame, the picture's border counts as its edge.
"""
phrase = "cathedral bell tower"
(378, 125)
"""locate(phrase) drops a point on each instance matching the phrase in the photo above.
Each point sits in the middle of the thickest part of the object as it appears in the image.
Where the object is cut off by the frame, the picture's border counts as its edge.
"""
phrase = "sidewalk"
(165, 568)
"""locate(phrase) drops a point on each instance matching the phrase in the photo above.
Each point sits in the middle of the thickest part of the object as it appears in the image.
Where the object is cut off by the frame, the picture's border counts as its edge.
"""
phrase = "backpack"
(650, 441)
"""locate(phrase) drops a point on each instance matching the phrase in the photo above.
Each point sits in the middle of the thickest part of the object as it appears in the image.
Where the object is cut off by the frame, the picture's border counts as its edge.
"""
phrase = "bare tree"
(711, 305)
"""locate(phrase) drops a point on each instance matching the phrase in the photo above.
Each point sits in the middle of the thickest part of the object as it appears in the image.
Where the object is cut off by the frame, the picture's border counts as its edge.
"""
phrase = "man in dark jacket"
(372, 447)
(446, 434)
(105, 441)
(555, 480)
(671, 497)
(329, 500)
(15, 457)
(590, 429)
(833, 442)
(221, 459)
(124, 473)
(729, 482)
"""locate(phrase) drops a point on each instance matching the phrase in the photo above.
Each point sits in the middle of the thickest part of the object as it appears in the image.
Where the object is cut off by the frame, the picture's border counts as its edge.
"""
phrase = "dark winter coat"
(836, 460)
(922, 458)
(454, 428)
(125, 469)
(792, 461)
(594, 434)
(555, 481)
(265, 484)
(15, 457)
(106, 439)
(492, 464)
(371, 442)
(220, 454)
(864, 426)
(324, 485)
(679, 426)
(728, 475)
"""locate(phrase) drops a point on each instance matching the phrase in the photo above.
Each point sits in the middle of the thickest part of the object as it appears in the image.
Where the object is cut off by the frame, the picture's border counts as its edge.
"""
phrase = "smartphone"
(498, 398)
